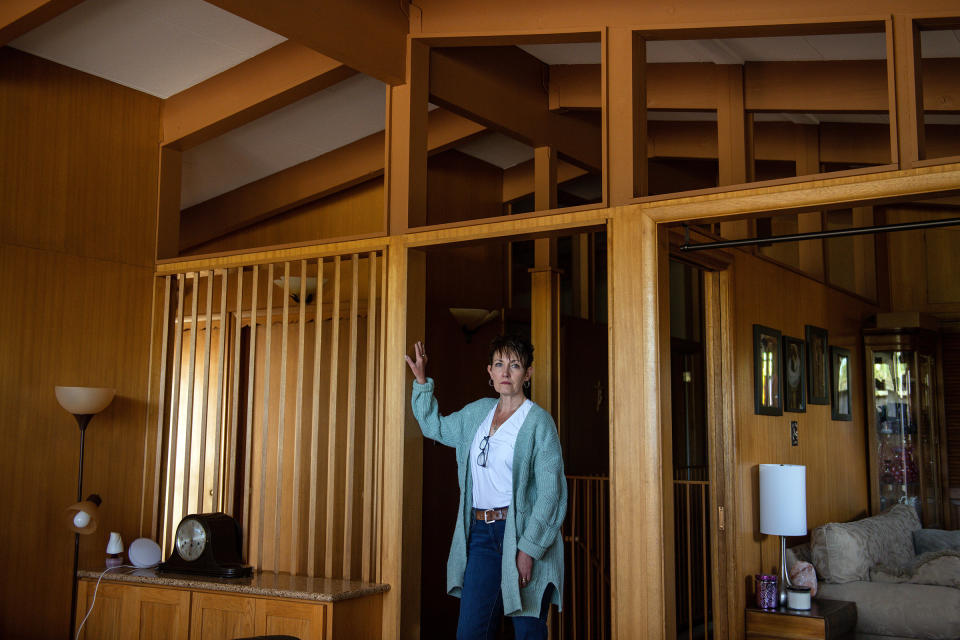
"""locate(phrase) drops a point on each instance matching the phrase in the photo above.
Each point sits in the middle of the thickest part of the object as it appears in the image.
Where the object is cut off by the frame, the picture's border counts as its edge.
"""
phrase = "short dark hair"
(513, 343)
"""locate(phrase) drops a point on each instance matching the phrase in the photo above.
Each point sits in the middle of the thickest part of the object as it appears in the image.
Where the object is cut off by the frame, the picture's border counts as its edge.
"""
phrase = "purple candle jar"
(766, 591)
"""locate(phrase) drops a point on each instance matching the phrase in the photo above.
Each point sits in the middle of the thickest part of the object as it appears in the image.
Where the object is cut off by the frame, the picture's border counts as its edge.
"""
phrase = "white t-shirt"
(493, 483)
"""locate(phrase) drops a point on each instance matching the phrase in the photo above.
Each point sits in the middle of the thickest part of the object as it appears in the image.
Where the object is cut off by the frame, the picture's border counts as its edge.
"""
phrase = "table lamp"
(783, 510)
(83, 403)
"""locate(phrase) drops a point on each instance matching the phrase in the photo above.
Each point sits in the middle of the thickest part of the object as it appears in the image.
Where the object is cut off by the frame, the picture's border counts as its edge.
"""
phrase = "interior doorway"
(702, 446)
(512, 285)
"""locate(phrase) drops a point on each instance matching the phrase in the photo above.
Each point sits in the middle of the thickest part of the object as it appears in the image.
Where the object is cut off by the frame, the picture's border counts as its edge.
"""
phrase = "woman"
(507, 551)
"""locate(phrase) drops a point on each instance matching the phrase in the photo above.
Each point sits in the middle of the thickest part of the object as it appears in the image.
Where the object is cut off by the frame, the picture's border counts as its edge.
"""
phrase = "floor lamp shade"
(783, 499)
(84, 400)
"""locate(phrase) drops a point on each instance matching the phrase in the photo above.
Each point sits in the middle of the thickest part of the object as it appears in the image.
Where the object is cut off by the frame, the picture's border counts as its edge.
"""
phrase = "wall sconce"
(470, 320)
(83, 403)
(310, 287)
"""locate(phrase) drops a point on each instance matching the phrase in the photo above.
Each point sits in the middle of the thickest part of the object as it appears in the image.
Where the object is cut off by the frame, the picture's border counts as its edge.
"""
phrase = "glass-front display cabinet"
(904, 409)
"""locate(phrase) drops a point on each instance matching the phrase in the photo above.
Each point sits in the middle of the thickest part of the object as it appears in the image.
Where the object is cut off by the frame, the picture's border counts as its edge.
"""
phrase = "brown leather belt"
(491, 515)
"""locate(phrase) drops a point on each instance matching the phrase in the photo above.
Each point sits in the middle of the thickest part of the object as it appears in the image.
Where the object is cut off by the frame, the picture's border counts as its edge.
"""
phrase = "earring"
(490, 382)
(526, 384)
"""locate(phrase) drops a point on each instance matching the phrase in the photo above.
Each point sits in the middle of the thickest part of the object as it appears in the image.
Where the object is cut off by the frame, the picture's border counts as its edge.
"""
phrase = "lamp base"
(783, 580)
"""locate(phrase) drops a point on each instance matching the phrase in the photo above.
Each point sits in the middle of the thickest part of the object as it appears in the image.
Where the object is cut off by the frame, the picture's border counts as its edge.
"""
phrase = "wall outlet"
(794, 435)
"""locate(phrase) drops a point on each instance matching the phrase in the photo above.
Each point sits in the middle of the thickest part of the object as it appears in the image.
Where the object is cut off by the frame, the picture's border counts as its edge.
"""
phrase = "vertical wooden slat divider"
(205, 393)
(298, 425)
(315, 426)
(378, 440)
(332, 421)
(281, 422)
(705, 534)
(174, 412)
(191, 383)
(217, 502)
(155, 467)
(265, 427)
(235, 398)
(251, 375)
(366, 489)
(351, 422)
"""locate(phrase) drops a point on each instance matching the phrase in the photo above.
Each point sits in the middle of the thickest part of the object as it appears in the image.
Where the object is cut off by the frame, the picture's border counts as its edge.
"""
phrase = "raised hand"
(418, 366)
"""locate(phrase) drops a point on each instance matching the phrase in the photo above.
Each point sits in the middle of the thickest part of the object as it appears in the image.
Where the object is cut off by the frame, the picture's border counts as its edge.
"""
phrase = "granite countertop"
(266, 583)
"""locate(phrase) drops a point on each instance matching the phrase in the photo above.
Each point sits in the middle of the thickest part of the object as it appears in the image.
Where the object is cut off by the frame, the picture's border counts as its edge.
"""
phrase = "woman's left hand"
(524, 568)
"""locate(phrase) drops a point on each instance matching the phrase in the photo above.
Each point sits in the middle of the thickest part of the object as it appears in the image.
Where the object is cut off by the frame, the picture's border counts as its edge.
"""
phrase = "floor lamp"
(783, 510)
(83, 403)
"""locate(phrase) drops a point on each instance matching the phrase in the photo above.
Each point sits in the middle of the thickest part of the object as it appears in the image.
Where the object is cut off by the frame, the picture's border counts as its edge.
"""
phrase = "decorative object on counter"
(83, 403)
(208, 544)
(841, 398)
(803, 574)
(144, 553)
(114, 551)
(818, 367)
(767, 383)
(766, 587)
(794, 375)
(783, 510)
(798, 598)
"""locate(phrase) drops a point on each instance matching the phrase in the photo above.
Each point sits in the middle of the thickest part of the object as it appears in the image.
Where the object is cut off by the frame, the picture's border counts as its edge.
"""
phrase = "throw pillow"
(926, 540)
(941, 568)
(845, 552)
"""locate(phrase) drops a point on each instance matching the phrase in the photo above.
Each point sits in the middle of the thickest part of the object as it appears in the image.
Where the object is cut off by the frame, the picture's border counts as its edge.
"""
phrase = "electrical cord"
(94, 601)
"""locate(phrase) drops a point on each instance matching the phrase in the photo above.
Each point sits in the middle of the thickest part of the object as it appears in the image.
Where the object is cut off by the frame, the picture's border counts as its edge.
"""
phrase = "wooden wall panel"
(923, 264)
(832, 451)
(77, 227)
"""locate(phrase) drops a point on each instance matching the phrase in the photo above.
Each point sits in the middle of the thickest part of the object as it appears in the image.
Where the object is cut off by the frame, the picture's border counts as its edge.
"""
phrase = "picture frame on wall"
(767, 379)
(841, 401)
(794, 375)
(818, 365)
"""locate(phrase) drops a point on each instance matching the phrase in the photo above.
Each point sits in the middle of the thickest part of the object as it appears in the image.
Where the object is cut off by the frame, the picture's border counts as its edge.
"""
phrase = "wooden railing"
(268, 384)
(691, 499)
(586, 534)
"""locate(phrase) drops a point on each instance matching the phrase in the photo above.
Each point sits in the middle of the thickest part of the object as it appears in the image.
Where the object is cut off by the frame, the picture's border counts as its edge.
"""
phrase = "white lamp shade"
(115, 544)
(783, 499)
(84, 400)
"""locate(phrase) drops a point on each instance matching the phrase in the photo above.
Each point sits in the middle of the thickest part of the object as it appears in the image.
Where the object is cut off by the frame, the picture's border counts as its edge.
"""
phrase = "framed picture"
(841, 397)
(767, 399)
(794, 375)
(818, 366)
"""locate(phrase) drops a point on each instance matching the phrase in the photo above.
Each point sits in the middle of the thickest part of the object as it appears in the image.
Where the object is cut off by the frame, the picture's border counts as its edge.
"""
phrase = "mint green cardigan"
(539, 498)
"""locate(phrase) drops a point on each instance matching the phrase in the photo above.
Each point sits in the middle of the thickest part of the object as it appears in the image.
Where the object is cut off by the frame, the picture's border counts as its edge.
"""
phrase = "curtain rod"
(816, 235)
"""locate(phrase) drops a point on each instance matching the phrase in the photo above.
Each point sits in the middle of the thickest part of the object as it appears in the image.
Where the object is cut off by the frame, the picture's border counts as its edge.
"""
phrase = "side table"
(826, 620)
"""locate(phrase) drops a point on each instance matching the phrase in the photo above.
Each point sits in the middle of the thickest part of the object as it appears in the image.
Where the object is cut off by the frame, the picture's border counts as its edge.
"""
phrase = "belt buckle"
(494, 519)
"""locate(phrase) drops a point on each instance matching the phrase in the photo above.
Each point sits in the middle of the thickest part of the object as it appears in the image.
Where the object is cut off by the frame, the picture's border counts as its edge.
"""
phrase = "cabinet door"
(304, 620)
(221, 617)
(104, 622)
(156, 614)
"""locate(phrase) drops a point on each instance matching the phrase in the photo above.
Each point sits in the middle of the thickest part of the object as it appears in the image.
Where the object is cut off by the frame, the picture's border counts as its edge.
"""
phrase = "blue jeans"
(481, 603)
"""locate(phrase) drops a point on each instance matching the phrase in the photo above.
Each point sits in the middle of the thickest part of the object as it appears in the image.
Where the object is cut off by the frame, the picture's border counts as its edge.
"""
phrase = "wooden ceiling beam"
(367, 35)
(275, 78)
(822, 86)
(505, 89)
(308, 181)
(518, 180)
(20, 16)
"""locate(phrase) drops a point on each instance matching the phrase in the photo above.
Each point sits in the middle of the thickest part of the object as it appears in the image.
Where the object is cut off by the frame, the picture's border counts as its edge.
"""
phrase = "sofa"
(874, 563)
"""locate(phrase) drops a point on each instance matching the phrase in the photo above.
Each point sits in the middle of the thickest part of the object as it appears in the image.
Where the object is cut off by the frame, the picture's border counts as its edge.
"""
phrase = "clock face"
(191, 539)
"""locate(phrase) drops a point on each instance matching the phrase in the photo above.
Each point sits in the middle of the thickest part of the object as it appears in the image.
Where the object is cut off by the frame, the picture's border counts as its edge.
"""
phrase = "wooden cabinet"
(215, 616)
(140, 613)
(135, 611)
(825, 620)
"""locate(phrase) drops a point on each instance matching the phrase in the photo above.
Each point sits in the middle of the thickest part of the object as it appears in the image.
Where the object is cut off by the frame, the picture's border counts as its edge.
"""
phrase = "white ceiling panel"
(943, 43)
(571, 53)
(160, 48)
(317, 124)
(497, 149)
